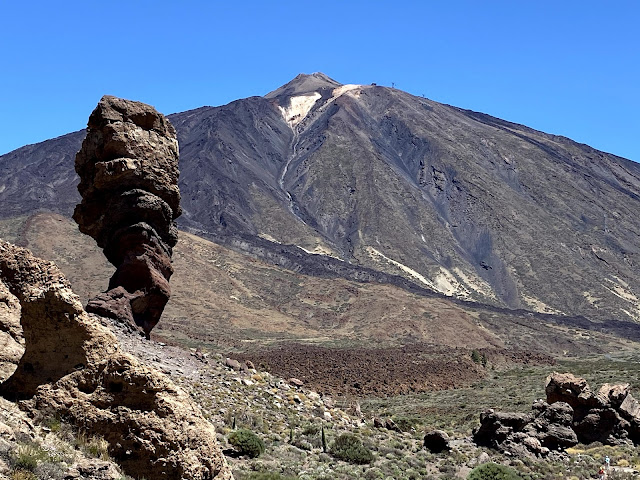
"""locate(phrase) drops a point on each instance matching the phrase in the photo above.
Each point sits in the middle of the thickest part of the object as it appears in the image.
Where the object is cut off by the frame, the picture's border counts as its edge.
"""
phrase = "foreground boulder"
(552, 425)
(59, 336)
(128, 168)
(72, 368)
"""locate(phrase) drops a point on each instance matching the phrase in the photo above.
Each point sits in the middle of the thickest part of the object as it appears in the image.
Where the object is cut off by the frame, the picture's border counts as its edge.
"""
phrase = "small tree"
(247, 443)
(349, 448)
(476, 357)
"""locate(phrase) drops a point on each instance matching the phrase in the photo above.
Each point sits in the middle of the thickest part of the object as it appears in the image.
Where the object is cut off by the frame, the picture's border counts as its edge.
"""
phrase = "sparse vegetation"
(28, 456)
(95, 446)
(20, 474)
(479, 358)
(53, 423)
(47, 449)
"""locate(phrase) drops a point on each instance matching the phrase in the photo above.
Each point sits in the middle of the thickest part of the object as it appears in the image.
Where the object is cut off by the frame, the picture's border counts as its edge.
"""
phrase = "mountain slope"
(230, 300)
(455, 201)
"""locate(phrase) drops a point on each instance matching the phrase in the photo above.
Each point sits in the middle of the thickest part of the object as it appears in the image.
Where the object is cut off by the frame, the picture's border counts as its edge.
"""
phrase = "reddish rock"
(296, 382)
(234, 364)
(128, 168)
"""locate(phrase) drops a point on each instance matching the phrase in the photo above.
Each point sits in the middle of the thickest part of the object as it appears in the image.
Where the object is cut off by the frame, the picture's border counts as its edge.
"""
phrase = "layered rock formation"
(128, 168)
(72, 367)
(611, 415)
(572, 413)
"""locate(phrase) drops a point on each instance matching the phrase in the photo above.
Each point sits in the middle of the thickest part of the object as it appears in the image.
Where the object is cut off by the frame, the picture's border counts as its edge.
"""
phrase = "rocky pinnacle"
(128, 168)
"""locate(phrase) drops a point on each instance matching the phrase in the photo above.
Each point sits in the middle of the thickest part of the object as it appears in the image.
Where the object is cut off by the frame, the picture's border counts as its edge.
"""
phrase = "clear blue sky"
(566, 67)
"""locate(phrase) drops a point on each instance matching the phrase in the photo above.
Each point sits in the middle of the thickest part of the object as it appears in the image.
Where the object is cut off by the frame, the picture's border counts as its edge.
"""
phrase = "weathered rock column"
(128, 168)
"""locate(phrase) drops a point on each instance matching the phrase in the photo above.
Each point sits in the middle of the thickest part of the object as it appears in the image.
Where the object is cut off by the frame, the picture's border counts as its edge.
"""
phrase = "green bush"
(493, 471)
(268, 476)
(247, 443)
(479, 358)
(311, 429)
(349, 448)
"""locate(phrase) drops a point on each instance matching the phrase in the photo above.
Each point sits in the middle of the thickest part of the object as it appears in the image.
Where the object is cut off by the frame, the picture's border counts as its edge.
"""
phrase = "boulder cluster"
(572, 414)
(128, 168)
(64, 362)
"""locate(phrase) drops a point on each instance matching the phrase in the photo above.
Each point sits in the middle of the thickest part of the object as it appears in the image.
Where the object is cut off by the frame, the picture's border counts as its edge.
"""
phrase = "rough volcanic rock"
(552, 426)
(436, 441)
(630, 408)
(603, 425)
(496, 427)
(59, 336)
(574, 413)
(606, 416)
(72, 367)
(128, 168)
(546, 428)
(153, 428)
(565, 387)
(614, 394)
(11, 339)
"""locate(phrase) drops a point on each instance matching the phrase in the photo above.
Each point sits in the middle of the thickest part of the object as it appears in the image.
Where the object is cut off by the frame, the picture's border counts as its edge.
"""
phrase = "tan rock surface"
(614, 393)
(566, 387)
(72, 367)
(11, 339)
(153, 428)
(59, 336)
